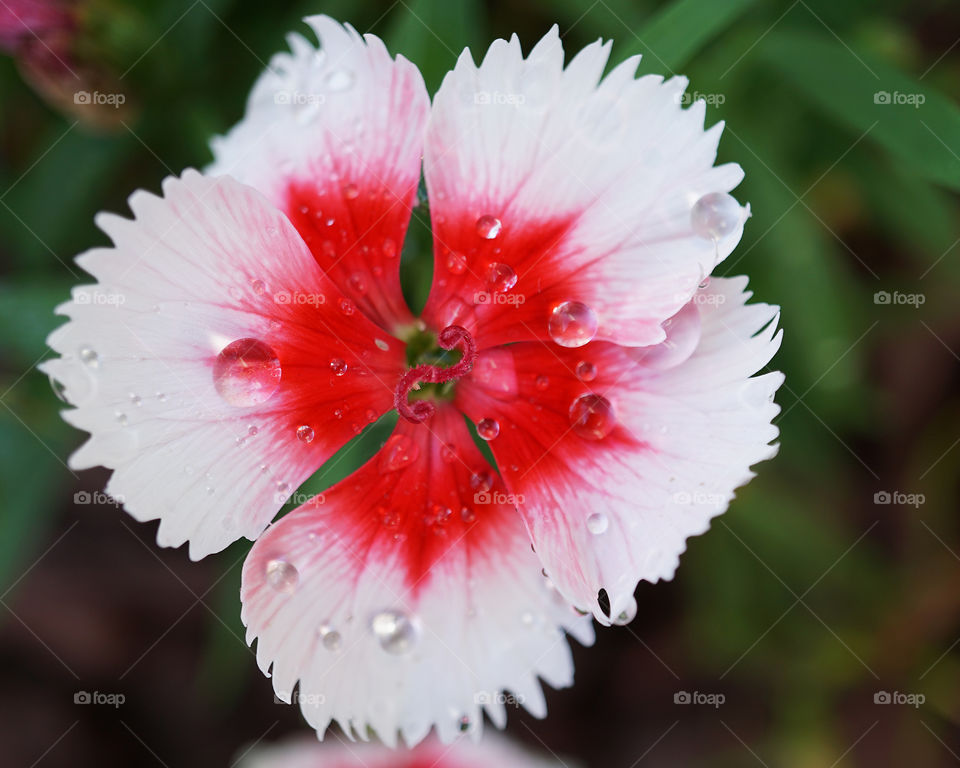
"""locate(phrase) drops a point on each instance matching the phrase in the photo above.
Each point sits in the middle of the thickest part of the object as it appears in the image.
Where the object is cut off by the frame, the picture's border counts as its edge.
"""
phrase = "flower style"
(250, 322)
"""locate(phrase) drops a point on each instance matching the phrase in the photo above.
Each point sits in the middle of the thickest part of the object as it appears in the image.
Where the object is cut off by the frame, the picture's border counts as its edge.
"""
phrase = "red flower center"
(451, 337)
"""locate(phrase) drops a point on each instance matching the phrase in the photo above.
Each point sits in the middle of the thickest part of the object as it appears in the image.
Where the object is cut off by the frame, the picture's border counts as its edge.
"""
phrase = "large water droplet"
(716, 215)
(398, 452)
(488, 429)
(282, 576)
(572, 324)
(396, 631)
(488, 227)
(246, 373)
(501, 277)
(592, 417)
(89, 357)
(305, 434)
(597, 523)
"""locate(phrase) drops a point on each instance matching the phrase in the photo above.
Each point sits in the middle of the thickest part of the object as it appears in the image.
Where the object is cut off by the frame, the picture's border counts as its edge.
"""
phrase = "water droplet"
(161, 397)
(716, 215)
(283, 487)
(488, 227)
(389, 248)
(338, 366)
(705, 283)
(597, 523)
(347, 307)
(488, 429)
(89, 357)
(253, 430)
(305, 434)
(381, 345)
(282, 576)
(351, 192)
(481, 481)
(339, 79)
(456, 263)
(330, 638)
(628, 614)
(121, 418)
(542, 382)
(501, 277)
(449, 452)
(358, 283)
(526, 619)
(586, 371)
(136, 399)
(396, 631)
(592, 417)
(259, 287)
(464, 724)
(246, 372)
(572, 324)
(398, 452)
(467, 515)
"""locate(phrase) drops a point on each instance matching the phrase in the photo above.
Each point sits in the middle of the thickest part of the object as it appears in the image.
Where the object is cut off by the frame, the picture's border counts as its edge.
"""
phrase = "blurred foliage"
(805, 594)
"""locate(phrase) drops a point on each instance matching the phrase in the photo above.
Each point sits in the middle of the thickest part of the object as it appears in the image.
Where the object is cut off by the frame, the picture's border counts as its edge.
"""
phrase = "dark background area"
(803, 604)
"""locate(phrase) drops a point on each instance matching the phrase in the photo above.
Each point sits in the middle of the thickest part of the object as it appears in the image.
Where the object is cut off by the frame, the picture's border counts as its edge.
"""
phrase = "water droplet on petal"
(351, 192)
(121, 418)
(259, 287)
(488, 227)
(396, 632)
(628, 614)
(305, 434)
(542, 382)
(398, 452)
(347, 307)
(330, 638)
(592, 417)
(89, 357)
(501, 277)
(246, 373)
(488, 429)
(449, 452)
(456, 263)
(338, 366)
(282, 576)
(136, 399)
(467, 515)
(586, 371)
(481, 481)
(389, 248)
(572, 324)
(716, 215)
(597, 523)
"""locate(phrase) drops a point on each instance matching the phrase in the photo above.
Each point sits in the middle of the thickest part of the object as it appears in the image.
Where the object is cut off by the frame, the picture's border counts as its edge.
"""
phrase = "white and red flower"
(249, 322)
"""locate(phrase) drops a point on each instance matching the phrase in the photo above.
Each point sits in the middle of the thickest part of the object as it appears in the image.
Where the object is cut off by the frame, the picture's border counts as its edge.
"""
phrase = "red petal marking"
(429, 493)
(355, 229)
(451, 337)
(468, 277)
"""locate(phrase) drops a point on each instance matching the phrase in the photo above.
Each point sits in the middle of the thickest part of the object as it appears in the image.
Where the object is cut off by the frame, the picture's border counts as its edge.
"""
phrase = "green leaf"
(860, 92)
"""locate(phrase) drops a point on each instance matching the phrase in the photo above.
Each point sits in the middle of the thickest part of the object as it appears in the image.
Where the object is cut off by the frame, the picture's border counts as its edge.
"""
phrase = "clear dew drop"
(467, 515)
(389, 248)
(488, 227)
(282, 576)
(246, 373)
(347, 307)
(456, 263)
(89, 357)
(488, 429)
(627, 615)
(542, 382)
(586, 371)
(396, 632)
(305, 434)
(381, 345)
(358, 283)
(597, 523)
(330, 638)
(501, 277)
(481, 481)
(121, 418)
(592, 417)
(259, 287)
(283, 487)
(716, 215)
(339, 80)
(449, 452)
(338, 366)
(398, 452)
(253, 430)
(351, 192)
(572, 324)
(135, 399)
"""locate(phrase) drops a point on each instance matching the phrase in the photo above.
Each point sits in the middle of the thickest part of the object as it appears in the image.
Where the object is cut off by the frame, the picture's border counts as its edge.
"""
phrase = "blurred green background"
(804, 603)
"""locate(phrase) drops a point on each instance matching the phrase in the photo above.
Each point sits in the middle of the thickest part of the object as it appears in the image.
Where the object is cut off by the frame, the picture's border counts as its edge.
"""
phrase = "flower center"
(453, 337)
